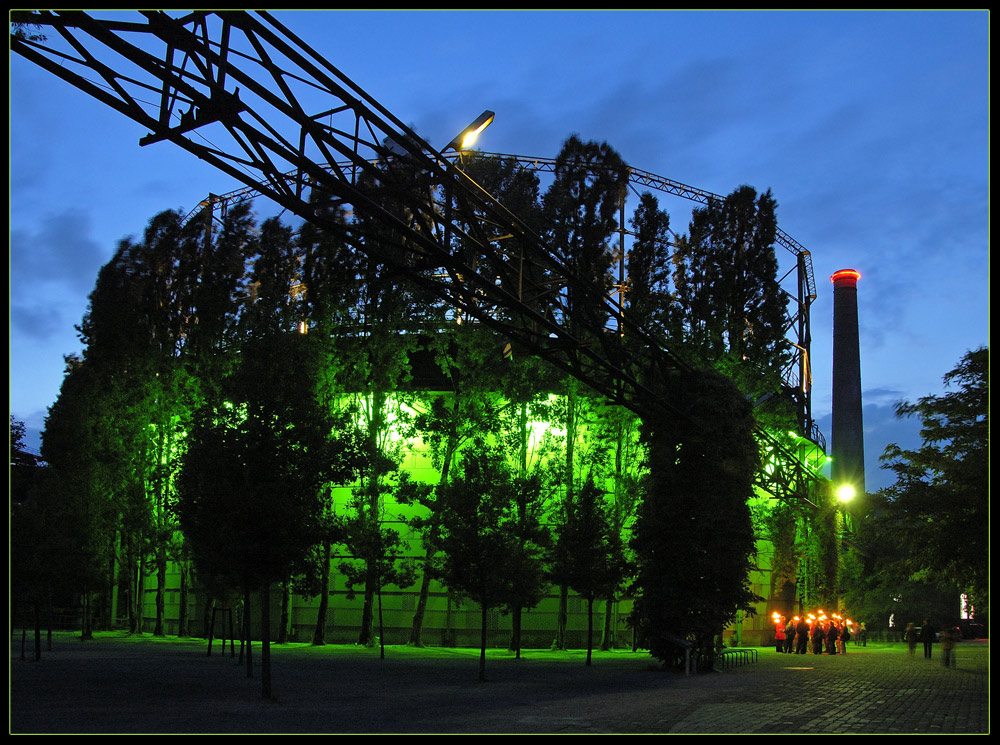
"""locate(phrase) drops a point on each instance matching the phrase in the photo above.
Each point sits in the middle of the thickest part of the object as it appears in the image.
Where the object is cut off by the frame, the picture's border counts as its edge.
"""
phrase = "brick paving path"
(117, 685)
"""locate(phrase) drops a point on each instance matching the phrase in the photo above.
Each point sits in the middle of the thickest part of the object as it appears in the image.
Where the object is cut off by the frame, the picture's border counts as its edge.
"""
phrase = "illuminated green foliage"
(208, 316)
(586, 557)
(250, 491)
(487, 553)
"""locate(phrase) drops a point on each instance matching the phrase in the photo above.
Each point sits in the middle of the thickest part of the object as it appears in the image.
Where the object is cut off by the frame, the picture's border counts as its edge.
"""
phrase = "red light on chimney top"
(849, 274)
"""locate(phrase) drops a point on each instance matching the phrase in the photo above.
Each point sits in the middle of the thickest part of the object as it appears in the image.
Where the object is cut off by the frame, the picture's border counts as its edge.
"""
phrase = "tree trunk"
(210, 631)
(376, 426)
(135, 598)
(381, 628)
(115, 567)
(319, 633)
(448, 640)
(48, 621)
(86, 628)
(515, 631)
(563, 617)
(286, 602)
(246, 631)
(590, 627)
(482, 645)
(425, 581)
(38, 630)
(265, 640)
(366, 636)
(182, 609)
(161, 588)
(206, 619)
(608, 634)
(418, 614)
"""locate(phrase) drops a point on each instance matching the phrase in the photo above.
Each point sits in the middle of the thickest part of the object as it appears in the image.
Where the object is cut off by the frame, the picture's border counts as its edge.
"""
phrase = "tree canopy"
(250, 492)
(940, 500)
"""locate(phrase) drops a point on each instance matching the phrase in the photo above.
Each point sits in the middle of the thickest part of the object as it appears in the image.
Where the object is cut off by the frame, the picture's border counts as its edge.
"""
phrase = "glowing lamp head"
(845, 493)
(468, 135)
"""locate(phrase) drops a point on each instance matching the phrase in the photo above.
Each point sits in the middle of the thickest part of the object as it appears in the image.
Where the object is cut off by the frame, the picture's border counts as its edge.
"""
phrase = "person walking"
(863, 632)
(927, 637)
(949, 637)
(910, 635)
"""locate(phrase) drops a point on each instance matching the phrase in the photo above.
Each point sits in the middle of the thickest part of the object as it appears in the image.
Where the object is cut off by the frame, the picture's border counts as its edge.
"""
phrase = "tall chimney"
(848, 447)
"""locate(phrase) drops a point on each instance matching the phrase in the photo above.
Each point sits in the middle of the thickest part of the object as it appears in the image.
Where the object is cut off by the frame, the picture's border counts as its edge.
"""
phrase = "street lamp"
(845, 493)
(468, 135)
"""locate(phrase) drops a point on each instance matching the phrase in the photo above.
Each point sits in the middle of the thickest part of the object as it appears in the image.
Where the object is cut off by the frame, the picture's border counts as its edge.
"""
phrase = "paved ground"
(143, 685)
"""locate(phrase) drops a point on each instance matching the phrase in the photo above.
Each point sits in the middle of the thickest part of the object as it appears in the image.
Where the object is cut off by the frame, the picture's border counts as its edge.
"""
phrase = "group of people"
(927, 634)
(816, 633)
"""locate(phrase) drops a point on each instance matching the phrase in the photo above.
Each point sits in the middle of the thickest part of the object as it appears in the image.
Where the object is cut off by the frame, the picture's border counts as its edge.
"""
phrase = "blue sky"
(870, 128)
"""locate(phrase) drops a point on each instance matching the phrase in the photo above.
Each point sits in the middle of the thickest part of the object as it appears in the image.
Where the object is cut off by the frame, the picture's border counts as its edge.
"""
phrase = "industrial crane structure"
(243, 93)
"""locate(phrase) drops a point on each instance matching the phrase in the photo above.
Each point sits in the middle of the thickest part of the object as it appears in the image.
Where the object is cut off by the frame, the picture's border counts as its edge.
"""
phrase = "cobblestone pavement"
(118, 685)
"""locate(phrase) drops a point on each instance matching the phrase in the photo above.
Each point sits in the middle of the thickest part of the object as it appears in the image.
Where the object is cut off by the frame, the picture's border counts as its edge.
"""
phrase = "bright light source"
(845, 493)
(468, 135)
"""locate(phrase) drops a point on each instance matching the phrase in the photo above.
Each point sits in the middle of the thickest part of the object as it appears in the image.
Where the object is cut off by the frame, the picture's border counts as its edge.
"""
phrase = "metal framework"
(241, 92)
(797, 375)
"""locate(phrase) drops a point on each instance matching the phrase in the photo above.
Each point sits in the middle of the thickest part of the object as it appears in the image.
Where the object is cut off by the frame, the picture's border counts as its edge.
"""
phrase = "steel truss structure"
(243, 93)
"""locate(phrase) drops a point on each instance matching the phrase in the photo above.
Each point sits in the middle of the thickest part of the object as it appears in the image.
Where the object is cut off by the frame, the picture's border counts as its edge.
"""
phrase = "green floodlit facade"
(450, 621)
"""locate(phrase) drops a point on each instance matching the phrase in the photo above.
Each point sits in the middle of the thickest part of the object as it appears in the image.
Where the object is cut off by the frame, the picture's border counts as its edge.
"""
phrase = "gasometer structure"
(240, 91)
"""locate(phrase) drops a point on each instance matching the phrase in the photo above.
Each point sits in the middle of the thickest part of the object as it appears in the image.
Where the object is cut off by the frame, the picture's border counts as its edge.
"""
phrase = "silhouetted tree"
(466, 356)
(250, 498)
(584, 558)
(484, 555)
(693, 540)
(940, 500)
(731, 306)
(649, 301)
(580, 212)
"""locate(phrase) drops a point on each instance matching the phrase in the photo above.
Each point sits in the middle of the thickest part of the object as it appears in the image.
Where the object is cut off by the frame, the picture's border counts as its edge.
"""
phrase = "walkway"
(117, 685)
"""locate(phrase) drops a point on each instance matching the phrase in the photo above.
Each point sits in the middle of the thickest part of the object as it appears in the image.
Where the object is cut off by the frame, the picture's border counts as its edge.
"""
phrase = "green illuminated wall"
(448, 620)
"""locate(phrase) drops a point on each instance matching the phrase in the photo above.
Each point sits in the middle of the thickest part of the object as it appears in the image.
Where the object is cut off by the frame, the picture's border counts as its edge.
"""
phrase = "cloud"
(53, 266)
(39, 322)
(60, 249)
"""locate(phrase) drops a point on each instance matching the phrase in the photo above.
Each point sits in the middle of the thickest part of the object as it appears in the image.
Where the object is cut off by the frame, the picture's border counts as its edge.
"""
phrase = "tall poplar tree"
(580, 211)
(732, 308)
(388, 312)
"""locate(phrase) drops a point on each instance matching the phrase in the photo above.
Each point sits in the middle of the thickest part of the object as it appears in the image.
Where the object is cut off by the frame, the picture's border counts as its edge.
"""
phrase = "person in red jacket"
(779, 634)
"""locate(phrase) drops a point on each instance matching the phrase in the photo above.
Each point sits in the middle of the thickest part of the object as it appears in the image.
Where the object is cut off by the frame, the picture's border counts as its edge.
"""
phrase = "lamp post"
(461, 142)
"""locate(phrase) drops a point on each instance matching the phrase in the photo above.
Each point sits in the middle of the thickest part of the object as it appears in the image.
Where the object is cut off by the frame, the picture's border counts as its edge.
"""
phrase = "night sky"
(870, 128)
